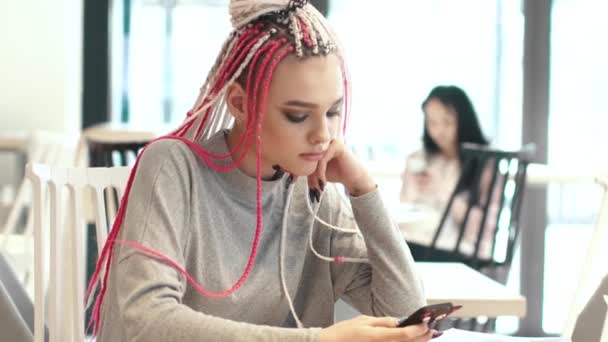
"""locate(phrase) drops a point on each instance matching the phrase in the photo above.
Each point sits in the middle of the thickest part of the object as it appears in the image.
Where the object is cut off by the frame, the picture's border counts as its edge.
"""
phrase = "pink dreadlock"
(265, 32)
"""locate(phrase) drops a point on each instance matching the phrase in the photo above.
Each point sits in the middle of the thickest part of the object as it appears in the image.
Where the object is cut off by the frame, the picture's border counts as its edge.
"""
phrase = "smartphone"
(436, 312)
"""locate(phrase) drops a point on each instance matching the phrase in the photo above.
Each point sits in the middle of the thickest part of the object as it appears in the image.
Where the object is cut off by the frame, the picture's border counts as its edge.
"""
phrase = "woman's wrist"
(361, 186)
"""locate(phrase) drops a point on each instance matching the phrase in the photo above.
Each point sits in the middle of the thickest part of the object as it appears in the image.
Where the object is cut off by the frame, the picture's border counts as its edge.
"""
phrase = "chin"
(302, 170)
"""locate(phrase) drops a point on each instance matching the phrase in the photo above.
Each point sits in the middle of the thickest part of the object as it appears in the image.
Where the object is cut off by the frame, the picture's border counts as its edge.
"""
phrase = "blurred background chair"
(16, 242)
(588, 309)
(590, 324)
(488, 197)
(41, 147)
(59, 242)
(492, 182)
(16, 308)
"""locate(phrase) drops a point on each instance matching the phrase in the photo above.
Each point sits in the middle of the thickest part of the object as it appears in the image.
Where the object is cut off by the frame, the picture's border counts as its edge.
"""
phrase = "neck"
(450, 154)
(248, 165)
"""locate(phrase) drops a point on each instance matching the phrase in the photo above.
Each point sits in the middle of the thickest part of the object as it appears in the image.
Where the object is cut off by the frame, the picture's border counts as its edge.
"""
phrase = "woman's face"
(303, 113)
(442, 124)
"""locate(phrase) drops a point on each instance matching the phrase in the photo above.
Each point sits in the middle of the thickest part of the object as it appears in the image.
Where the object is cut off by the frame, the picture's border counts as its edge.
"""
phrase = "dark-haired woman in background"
(432, 173)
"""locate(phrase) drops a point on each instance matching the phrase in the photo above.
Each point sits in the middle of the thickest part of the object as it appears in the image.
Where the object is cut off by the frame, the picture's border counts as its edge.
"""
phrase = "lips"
(315, 156)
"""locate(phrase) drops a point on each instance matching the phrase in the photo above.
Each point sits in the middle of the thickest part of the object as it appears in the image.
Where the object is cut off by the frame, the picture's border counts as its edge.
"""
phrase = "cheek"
(334, 127)
(454, 132)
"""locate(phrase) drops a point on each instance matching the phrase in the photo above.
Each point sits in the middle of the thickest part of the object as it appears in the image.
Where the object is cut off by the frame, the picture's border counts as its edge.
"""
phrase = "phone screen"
(435, 312)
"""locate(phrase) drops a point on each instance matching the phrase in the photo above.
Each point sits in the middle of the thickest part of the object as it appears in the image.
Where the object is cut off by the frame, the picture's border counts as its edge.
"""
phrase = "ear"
(236, 99)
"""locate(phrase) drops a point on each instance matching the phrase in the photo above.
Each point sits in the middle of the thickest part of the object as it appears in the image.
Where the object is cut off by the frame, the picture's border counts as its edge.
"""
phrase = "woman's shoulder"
(172, 155)
(419, 153)
(163, 149)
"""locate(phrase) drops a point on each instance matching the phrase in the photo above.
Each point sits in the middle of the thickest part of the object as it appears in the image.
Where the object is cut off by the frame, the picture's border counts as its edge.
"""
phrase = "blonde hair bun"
(242, 12)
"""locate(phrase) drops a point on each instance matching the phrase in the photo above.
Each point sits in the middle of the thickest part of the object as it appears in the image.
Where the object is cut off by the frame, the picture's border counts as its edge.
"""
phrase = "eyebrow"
(298, 103)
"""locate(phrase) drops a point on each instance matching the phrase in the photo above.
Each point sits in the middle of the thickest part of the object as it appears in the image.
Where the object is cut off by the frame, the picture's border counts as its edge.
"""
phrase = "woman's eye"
(293, 117)
(333, 114)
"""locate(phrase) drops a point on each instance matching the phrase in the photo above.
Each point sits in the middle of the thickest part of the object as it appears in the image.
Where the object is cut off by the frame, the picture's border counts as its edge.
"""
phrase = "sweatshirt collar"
(236, 182)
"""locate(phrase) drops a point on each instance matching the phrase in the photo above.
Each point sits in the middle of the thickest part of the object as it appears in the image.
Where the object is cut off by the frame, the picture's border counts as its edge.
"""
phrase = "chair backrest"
(50, 148)
(62, 220)
(604, 337)
(487, 201)
(585, 317)
(16, 308)
(592, 319)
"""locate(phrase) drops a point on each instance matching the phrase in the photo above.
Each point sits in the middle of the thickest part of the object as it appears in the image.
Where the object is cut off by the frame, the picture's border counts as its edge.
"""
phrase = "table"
(457, 283)
(479, 295)
(101, 141)
(14, 141)
(112, 132)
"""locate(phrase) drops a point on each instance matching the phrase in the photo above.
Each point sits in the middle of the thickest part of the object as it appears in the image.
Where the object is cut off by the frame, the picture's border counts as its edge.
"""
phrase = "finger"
(412, 332)
(322, 167)
(312, 189)
(423, 338)
(386, 322)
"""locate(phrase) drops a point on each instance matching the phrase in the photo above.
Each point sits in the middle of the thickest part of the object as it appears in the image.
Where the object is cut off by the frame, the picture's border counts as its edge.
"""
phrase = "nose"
(320, 133)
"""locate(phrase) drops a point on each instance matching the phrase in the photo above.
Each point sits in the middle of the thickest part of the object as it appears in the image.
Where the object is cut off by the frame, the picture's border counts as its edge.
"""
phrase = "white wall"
(40, 69)
(40, 64)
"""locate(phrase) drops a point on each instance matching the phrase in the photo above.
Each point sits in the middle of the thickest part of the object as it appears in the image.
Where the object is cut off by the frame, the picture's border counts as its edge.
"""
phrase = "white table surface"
(125, 133)
(405, 213)
(13, 141)
(462, 285)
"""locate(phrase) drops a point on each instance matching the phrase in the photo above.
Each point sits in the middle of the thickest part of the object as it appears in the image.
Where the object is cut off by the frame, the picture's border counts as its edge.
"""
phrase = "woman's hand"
(340, 165)
(422, 181)
(371, 329)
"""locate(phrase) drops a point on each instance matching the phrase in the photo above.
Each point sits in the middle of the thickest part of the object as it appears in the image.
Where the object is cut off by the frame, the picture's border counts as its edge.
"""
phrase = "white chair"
(592, 319)
(61, 226)
(604, 337)
(16, 242)
(50, 148)
(588, 311)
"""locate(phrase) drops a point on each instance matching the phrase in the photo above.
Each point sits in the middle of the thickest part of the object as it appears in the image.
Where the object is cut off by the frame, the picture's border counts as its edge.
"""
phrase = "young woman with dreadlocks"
(232, 227)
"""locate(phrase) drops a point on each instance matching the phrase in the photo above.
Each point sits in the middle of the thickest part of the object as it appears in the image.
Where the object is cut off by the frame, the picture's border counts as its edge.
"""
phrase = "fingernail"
(426, 319)
(321, 185)
(311, 195)
(437, 334)
(317, 195)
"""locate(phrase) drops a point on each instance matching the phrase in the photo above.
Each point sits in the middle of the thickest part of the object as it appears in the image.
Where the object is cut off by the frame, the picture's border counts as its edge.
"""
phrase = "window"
(170, 47)
(405, 48)
(577, 123)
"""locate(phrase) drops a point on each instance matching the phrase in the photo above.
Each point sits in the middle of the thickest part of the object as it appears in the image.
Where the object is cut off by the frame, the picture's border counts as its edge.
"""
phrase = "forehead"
(315, 79)
(435, 109)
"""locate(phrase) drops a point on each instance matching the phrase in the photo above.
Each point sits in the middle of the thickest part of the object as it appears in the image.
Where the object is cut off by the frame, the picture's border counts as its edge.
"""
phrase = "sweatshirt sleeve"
(386, 286)
(149, 292)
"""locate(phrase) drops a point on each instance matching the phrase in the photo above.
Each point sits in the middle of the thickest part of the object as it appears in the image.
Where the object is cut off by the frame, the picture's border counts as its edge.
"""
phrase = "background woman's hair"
(468, 128)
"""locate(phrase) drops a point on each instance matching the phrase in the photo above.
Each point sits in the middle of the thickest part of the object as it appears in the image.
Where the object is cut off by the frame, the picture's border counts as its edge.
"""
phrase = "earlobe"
(236, 101)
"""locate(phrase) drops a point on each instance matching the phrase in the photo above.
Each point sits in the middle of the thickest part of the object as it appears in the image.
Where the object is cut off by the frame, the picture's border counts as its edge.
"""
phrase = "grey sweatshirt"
(205, 221)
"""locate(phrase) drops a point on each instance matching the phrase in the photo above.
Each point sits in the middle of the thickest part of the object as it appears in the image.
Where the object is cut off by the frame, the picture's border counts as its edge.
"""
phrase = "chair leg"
(490, 325)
